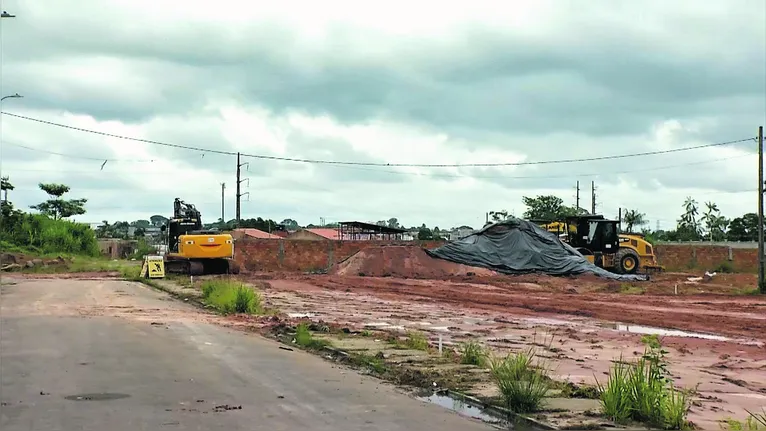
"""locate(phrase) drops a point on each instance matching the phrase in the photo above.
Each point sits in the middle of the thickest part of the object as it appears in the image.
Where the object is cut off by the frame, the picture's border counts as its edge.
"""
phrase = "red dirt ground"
(404, 262)
(713, 311)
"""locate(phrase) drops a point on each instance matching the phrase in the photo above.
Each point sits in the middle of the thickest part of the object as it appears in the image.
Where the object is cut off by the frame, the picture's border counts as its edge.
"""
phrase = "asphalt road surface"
(112, 355)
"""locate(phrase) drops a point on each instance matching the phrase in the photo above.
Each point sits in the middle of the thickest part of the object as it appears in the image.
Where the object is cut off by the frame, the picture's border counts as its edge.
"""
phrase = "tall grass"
(231, 297)
(304, 337)
(472, 353)
(522, 380)
(641, 391)
(40, 234)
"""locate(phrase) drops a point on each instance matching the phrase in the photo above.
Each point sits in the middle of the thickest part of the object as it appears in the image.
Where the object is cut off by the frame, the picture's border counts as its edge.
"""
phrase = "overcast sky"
(393, 82)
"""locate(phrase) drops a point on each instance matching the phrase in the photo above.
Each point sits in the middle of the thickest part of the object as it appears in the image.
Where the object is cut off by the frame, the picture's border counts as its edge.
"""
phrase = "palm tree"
(633, 218)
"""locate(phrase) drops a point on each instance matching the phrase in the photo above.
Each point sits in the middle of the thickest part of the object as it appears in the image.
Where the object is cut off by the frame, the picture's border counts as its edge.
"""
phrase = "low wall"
(686, 256)
(304, 256)
(307, 256)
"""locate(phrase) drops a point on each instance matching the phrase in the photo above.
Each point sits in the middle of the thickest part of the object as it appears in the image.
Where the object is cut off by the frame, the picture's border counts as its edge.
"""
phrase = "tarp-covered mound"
(405, 262)
(517, 246)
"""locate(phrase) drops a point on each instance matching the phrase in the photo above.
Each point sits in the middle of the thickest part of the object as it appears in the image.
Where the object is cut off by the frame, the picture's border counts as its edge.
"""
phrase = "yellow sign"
(155, 266)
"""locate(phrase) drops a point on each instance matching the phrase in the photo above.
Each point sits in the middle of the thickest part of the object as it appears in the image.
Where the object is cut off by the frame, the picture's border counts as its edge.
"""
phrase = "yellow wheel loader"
(193, 250)
(599, 240)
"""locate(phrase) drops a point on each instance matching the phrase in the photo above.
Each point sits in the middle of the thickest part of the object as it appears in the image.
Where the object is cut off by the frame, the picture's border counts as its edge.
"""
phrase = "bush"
(36, 233)
(641, 391)
(472, 353)
(522, 383)
(231, 297)
(304, 338)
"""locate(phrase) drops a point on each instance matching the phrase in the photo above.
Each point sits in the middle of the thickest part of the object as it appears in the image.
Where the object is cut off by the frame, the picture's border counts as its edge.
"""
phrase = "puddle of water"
(97, 397)
(650, 330)
(300, 315)
(459, 407)
(545, 321)
(464, 408)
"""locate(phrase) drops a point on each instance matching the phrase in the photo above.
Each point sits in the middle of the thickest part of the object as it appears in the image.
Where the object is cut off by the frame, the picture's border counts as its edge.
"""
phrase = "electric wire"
(352, 163)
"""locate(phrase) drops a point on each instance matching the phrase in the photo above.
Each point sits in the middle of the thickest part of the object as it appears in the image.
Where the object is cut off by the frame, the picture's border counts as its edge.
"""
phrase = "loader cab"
(594, 233)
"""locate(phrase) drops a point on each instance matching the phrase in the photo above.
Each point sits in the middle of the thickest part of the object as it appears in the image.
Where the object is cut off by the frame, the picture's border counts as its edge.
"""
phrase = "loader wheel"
(627, 261)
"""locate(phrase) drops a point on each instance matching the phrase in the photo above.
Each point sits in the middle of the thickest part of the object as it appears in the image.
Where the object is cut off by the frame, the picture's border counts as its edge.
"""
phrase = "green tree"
(290, 224)
(633, 218)
(158, 220)
(549, 207)
(139, 232)
(689, 228)
(744, 228)
(393, 222)
(56, 207)
(5, 185)
(715, 223)
(141, 223)
(424, 233)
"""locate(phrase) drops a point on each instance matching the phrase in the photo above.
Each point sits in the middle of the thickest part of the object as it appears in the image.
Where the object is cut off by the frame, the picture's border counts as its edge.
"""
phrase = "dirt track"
(731, 315)
(590, 328)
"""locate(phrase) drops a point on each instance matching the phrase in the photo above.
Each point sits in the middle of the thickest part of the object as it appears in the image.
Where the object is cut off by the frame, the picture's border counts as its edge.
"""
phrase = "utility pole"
(593, 197)
(761, 284)
(238, 216)
(223, 202)
(577, 196)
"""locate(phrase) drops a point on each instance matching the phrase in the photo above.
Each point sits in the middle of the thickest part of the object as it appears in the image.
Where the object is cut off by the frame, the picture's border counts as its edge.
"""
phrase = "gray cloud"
(594, 87)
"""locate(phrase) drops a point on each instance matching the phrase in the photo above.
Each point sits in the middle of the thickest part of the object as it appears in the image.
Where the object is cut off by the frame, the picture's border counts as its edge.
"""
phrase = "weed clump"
(472, 353)
(231, 297)
(754, 422)
(304, 338)
(523, 382)
(642, 391)
(416, 340)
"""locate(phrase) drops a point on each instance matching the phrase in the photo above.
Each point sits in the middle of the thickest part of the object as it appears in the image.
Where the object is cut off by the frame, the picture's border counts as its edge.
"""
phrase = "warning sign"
(154, 267)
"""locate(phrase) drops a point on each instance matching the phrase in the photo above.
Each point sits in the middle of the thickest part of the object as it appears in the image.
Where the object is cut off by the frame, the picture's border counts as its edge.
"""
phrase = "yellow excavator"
(599, 240)
(193, 250)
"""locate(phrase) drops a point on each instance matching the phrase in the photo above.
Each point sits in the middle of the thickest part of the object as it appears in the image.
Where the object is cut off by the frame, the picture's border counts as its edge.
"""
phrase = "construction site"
(578, 294)
(514, 286)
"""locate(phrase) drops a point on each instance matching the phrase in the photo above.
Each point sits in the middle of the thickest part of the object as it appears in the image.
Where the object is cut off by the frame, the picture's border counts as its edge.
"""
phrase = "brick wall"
(679, 257)
(303, 256)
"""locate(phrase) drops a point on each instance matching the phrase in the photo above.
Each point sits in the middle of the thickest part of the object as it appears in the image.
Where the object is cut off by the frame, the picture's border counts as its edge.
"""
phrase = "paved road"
(158, 364)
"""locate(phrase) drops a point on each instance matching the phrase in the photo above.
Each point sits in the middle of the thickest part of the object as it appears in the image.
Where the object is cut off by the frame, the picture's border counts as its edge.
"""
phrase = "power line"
(423, 174)
(99, 159)
(350, 163)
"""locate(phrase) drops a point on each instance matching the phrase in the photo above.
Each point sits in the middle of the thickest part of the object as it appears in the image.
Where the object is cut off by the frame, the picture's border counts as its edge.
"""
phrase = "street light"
(17, 95)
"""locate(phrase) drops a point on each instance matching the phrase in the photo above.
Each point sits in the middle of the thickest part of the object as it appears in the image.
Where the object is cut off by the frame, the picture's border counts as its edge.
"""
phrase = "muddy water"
(465, 407)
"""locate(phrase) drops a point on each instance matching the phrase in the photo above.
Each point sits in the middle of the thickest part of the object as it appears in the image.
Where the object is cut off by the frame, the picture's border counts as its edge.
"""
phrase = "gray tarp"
(517, 246)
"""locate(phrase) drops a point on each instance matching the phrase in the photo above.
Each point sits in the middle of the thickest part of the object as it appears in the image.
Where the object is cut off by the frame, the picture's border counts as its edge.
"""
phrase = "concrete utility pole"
(223, 202)
(577, 196)
(238, 215)
(761, 284)
(593, 197)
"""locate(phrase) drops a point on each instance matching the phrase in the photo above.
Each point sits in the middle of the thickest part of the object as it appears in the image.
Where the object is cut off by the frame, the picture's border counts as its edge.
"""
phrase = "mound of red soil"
(403, 262)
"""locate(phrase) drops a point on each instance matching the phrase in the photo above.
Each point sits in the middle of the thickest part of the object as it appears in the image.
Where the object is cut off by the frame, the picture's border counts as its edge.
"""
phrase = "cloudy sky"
(399, 83)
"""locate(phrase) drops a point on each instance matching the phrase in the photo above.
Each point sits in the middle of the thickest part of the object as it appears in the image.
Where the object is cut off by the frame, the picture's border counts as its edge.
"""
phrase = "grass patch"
(231, 297)
(416, 340)
(304, 338)
(85, 264)
(755, 422)
(374, 363)
(472, 353)
(642, 391)
(522, 380)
